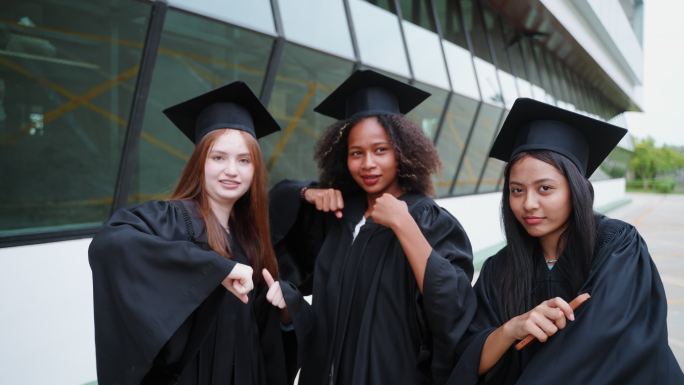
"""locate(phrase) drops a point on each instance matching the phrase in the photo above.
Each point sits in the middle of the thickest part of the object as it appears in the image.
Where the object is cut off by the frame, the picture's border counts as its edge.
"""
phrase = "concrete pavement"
(660, 220)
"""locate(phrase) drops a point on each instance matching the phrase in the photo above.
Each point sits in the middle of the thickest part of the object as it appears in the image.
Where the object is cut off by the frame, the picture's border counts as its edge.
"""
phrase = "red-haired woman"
(178, 288)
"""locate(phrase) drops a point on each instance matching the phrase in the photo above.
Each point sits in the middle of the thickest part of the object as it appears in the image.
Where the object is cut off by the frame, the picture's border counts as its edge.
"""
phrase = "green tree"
(672, 159)
(645, 162)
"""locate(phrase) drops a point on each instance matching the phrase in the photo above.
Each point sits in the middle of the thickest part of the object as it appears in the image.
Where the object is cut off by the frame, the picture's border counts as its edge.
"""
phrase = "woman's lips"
(370, 180)
(229, 184)
(533, 220)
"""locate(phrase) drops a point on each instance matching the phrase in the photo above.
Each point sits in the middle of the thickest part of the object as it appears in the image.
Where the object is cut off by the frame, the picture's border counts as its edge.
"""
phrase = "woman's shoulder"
(427, 212)
(609, 229)
(421, 204)
(151, 208)
(494, 260)
(159, 213)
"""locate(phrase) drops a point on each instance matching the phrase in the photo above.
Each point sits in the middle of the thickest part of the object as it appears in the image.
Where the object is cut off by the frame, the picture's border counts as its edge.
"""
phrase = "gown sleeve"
(487, 319)
(448, 301)
(297, 231)
(272, 340)
(620, 334)
(148, 279)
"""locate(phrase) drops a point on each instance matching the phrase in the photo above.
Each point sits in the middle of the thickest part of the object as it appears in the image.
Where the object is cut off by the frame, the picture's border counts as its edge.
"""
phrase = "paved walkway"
(660, 220)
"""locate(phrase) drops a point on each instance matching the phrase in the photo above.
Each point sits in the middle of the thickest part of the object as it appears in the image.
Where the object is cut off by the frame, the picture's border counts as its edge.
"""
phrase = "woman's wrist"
(507, 333)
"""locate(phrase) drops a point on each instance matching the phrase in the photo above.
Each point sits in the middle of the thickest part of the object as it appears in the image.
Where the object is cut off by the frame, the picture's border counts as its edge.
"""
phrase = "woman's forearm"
(415, 246)
(495, 347)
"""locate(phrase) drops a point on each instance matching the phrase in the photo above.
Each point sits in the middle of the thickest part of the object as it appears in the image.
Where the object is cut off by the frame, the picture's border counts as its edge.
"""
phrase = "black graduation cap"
(367, 93)
(231, 106)
(533, 125)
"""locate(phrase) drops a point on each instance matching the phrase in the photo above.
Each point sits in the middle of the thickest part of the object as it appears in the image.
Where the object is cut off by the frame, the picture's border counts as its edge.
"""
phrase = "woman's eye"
(217, 157)
(545, 188)
(380, 150)
(516, 190)
(245, 161)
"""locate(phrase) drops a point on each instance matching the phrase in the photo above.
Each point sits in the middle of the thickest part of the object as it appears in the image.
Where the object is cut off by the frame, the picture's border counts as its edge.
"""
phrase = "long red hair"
(249, 217)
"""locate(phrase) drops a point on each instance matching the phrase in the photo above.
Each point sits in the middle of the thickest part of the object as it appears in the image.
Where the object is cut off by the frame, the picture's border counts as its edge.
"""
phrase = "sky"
(663, 92)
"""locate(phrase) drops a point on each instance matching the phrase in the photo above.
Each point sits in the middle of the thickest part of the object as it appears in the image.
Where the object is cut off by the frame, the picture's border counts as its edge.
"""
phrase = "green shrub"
(664, 185)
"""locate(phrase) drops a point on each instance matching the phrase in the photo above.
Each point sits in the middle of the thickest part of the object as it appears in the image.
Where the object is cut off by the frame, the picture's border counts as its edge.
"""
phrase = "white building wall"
(600, 29)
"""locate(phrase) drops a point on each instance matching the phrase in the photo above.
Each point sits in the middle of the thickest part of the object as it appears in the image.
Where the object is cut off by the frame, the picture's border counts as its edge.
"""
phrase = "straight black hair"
(577, 240)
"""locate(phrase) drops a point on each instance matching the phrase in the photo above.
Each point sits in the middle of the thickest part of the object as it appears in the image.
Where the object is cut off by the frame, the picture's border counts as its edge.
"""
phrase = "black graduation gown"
(368, 322)
(619, 336)
(161, 313)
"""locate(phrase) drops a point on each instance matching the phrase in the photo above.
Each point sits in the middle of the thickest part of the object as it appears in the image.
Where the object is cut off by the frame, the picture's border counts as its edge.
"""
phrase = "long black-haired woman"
(558, 248)
(389, 270)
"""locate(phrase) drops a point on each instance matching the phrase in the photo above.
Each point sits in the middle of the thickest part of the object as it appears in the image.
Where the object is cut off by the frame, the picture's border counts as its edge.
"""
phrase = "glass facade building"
(83, 84)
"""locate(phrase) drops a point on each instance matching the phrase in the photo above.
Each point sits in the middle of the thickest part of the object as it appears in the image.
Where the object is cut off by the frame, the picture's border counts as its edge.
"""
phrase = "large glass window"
(387, 5)
(65, 94)
(452, 138)
(491, 176)
(478, 149)
(493, 169)
(484, 62)
(538, 54)
(195, 56)
(426, 55)
(449, 15)
(560, 79)
(513, 48)
(253, 14)
(330, 25)
(427, 113)
(533, 73)
(418, 12)
(458, 56)
(305, 77)
(506, 79)
(379, 38)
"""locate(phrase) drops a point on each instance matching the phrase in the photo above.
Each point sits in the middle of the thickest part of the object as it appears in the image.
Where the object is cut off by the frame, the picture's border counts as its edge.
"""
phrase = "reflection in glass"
(513, 48)
(449, 15)
(427, 114)
(493, 26)
(490, 178)
(305, 77)
(65, 95)
(452, 138)
(493, 169)
(195, 56)
(548, 60)
(487, 122)
(484, 62)
(418, 13)
(538, 54)
(532, 71)
(387, 5)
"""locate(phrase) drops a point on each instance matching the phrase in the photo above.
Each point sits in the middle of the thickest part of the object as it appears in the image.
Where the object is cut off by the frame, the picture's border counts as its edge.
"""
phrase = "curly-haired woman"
(388, 268)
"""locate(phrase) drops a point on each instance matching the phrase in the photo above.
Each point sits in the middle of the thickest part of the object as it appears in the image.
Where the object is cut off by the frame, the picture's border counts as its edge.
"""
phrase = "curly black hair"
(417, 157)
